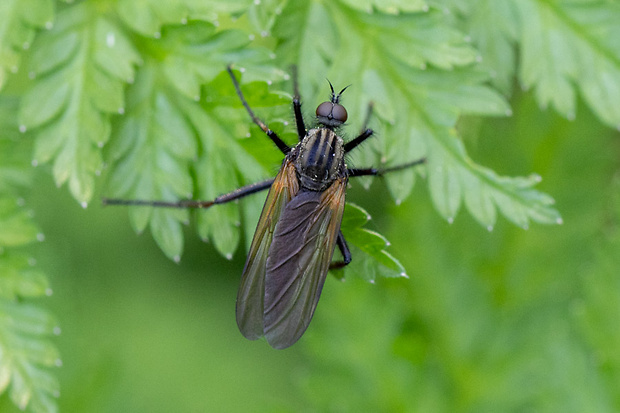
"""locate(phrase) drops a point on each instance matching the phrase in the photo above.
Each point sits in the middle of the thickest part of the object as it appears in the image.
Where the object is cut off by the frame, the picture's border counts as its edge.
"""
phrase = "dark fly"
(299, 227)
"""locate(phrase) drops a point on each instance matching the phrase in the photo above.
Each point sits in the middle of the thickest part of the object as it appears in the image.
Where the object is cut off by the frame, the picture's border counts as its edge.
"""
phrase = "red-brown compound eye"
(339, 113)
(324, 110)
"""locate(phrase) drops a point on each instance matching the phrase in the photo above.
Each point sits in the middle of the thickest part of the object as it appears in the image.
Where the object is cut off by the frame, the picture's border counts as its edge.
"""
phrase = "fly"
(299, 227)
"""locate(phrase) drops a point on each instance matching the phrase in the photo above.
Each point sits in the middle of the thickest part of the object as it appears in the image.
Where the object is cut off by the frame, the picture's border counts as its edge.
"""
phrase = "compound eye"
(324, 109)
(339, 113)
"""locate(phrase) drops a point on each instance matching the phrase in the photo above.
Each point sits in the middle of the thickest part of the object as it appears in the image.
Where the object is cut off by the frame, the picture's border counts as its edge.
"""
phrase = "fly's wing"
(252, 289)
(299, 258)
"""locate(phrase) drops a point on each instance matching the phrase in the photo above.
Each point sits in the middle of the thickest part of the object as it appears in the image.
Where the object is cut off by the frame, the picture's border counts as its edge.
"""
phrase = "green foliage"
(25, 351)
(566, 47)
(162, 136)
(136, 91)
(371, 258)
(576, 43)
(79, 67)
(419, 96)
(20, 20)
(157, 139)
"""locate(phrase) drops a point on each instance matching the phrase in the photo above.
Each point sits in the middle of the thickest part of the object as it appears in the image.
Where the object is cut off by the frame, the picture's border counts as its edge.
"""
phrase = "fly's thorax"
(320, 159)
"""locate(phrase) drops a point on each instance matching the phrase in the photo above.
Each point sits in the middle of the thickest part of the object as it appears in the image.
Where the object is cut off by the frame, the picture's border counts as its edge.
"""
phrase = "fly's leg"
(272, 135)
(353, 172)
(346, 253)
(222, 199)
(299, 118)
(365, 133)
(340, 241)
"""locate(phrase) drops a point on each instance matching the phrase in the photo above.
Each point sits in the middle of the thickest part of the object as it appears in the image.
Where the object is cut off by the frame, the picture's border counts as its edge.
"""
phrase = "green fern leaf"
(20, 279)
(17, 228)
(19, 22)
(148, 16)
(264, 13)
(388, 6)
(80, 67)
(155, 145)
(14, 152)
(569, 46)
(370, 259)
(157, 142)
(422, 76)
(25, 352)
(493, 29)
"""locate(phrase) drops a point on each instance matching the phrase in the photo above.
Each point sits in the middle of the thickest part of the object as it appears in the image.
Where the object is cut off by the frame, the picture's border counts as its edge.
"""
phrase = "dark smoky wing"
(250, 302)
(299, 258)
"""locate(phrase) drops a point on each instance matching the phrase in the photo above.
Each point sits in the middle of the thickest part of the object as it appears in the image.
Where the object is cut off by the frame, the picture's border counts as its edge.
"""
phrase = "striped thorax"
(320, 159)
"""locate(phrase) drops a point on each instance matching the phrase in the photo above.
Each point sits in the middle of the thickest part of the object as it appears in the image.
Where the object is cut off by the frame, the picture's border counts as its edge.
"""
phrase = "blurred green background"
(507, 320)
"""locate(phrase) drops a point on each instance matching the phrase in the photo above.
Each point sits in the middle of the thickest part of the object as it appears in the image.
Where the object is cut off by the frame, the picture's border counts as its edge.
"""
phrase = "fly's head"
(320, 159)
(332, 114)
